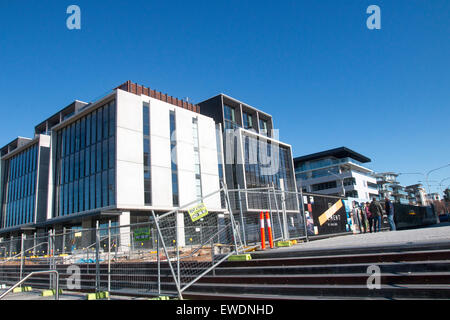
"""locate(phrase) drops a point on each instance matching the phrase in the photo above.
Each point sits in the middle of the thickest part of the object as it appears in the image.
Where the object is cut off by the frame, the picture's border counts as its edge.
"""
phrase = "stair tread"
(327, 275)
(277, 297)
(338, 256)
(383, 286)
(338, 264)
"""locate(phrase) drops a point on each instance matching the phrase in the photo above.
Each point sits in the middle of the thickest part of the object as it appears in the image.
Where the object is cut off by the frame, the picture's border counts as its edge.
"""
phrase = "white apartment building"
(339, 172)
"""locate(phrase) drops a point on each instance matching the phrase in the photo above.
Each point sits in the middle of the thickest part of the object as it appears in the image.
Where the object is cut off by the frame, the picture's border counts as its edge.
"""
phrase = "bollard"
(263, 236)
(269, 230)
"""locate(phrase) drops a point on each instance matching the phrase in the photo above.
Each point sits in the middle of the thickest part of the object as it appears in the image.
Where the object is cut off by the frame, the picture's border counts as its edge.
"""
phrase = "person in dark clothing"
(369, 216)
(389, 207)
(377, 211)
(363, 219)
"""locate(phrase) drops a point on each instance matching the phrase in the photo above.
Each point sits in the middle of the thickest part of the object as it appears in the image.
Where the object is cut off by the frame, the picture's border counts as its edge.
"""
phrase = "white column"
(125, 231)
(181, 240)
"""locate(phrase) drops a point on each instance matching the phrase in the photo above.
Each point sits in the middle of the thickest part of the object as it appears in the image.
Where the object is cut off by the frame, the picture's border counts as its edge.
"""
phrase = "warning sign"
(198, 212)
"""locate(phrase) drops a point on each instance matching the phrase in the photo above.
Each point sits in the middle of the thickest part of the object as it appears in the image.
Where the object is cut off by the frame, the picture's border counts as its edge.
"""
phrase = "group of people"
(369, 215)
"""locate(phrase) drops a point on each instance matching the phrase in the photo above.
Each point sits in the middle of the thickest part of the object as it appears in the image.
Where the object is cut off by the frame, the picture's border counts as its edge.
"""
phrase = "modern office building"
(116, 159)
(253, 157)
(339, 172)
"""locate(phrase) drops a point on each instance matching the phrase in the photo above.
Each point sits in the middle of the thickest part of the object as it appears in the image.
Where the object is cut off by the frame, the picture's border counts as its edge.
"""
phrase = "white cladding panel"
(129, 151)
(130, 177)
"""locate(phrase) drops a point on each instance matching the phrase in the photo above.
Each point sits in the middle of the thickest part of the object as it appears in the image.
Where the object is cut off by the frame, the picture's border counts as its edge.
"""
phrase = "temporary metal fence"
(165, 255)
(286, 217)
(171, 250)
(195, 240)
(21, 255)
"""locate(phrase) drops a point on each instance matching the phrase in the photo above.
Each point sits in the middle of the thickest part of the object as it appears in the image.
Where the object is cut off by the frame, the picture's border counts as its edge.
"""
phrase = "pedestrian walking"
(377, 211)
(389, 207)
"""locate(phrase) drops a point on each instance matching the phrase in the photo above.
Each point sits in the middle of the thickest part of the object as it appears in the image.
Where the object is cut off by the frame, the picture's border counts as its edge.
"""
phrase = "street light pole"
(428, 173)
(440, 184)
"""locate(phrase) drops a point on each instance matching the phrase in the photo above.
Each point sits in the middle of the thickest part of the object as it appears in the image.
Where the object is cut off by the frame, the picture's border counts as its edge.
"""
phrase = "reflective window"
(263, 127)
(248, 120)
(17, 203)
(85, 163)
(173, 149)
(267, 164)
(196, 153)
(229, 117)
(147, 161)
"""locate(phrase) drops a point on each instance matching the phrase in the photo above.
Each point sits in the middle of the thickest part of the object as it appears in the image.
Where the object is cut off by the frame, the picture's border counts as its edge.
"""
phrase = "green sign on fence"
(198, 212)
(141, 234)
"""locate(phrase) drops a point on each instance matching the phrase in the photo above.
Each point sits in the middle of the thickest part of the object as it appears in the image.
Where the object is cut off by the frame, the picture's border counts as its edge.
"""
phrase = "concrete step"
(301, 250)
(343, 259)
(385, 267)
(442, 278)
(324, 290)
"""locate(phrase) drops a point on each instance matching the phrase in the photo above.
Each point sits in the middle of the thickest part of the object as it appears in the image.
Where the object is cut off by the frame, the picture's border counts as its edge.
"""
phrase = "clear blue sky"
(327, 80)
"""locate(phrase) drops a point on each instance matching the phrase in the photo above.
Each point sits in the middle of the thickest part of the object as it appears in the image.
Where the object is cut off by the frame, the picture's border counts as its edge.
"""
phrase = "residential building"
(339, 172)
(417, 194)
(133, 151)
(434, 196)
(388, 186)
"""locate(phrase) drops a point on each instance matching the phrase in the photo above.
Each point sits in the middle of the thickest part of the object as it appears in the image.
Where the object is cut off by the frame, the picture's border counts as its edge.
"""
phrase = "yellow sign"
(330, 212)
(198, 212)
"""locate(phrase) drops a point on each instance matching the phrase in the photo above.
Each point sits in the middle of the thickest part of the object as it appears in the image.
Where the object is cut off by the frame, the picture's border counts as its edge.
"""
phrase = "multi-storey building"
(388, 186)
(116, 159)
(253, 157)
(339, 172)
(434, 196)
(416, 194)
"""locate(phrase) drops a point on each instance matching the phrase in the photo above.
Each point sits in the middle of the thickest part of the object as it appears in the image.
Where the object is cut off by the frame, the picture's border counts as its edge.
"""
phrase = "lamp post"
(428, 174)
(440, 184)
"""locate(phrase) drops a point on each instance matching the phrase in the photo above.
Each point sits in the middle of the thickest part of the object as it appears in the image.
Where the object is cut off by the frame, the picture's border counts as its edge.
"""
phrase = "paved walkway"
(435, 233)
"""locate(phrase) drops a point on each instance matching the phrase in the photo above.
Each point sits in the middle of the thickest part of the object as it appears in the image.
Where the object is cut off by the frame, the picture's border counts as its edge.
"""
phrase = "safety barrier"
(173, 250)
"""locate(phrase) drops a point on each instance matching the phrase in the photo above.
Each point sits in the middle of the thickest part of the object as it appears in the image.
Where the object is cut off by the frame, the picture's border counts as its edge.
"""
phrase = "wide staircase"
(406, 272)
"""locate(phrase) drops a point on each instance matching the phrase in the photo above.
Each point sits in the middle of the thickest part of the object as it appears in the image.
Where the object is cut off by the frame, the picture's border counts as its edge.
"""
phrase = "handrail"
(29, 276)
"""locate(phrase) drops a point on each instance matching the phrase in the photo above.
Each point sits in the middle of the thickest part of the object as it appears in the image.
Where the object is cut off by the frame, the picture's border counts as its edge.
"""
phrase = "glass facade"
(19, 185)
(84, 172)
(315, 164)
(324, 186)
(173, 149)
(258, 153)
(147, 163)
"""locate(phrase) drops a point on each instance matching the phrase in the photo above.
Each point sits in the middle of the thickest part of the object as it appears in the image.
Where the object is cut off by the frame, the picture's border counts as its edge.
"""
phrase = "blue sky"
(327, 80)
